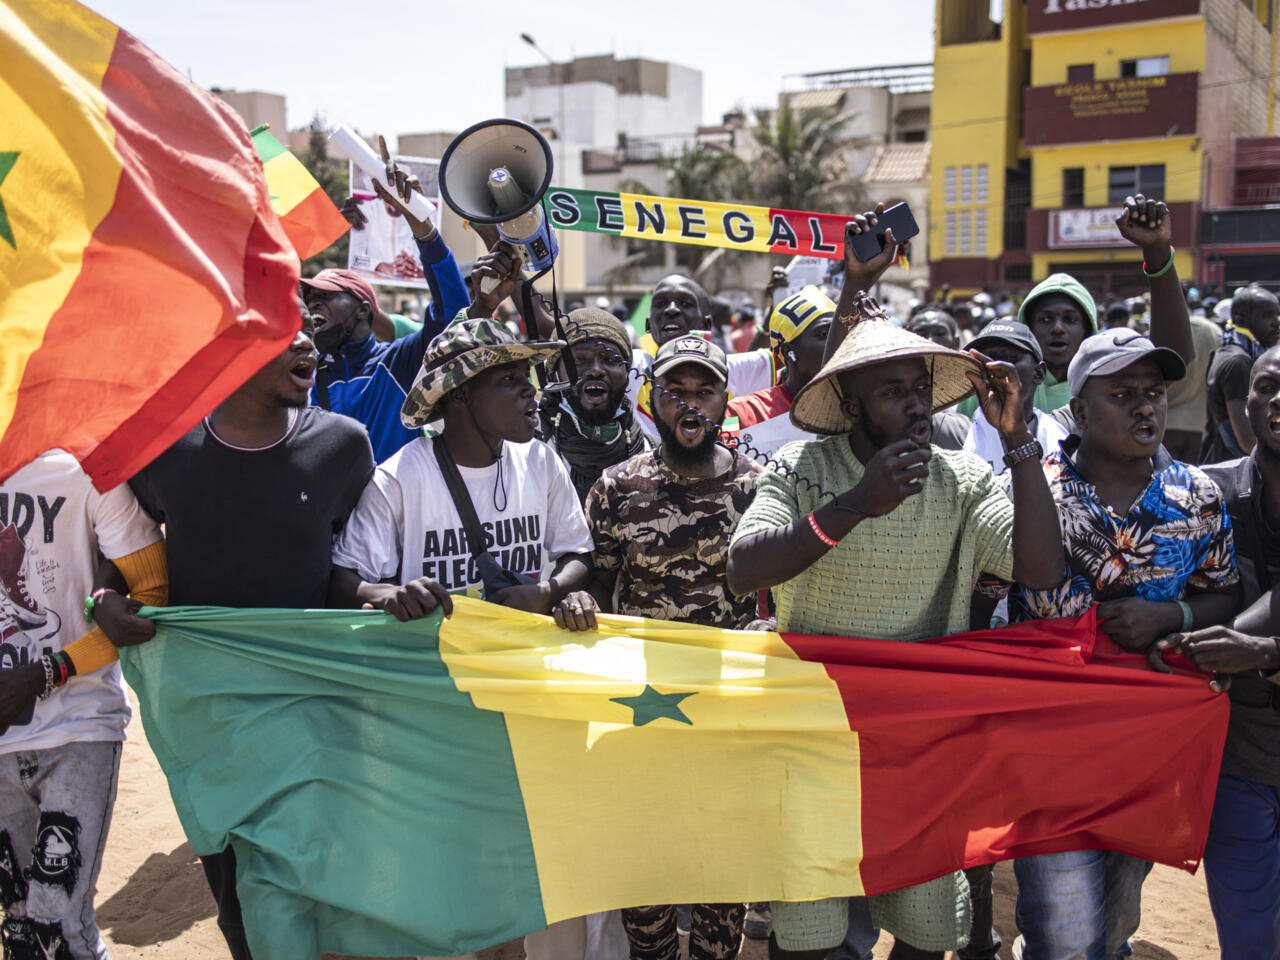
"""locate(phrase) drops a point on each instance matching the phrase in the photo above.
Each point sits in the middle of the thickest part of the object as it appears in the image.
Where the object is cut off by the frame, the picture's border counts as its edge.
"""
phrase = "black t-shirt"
(1252, 750)
(255, 528)
(1227, 379)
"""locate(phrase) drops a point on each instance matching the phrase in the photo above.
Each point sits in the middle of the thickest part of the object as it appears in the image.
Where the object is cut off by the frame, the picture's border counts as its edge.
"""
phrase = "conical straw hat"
(873, 338)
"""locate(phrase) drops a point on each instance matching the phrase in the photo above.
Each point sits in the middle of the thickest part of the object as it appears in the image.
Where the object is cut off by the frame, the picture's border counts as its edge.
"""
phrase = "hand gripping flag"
(143, 274)
(436, 787)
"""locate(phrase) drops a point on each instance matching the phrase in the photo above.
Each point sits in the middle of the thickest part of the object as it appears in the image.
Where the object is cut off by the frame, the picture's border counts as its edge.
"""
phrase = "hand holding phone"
(897, 218)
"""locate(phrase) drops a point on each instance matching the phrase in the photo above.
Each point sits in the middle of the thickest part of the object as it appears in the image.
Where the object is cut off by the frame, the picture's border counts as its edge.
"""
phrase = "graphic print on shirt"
(514, 542)
(56, 858)
(25, 621)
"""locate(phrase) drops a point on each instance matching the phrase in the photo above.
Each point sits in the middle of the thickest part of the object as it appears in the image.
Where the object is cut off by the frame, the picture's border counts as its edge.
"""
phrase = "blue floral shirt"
(1176, 535)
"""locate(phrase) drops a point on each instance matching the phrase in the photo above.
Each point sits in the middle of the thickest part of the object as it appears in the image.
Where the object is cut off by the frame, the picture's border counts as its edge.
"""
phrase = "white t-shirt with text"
(406, 526)
(53, 522)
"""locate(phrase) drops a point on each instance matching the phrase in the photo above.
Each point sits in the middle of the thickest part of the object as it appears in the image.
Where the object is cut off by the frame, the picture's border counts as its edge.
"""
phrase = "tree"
(801, 164)
(333, 177)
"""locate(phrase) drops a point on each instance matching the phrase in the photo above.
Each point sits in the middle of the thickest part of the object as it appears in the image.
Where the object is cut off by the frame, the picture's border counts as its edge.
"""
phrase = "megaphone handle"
(488, 285)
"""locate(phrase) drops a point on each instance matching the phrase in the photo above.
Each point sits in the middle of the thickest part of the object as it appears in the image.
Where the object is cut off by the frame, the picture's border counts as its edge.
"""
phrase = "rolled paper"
(364, 157)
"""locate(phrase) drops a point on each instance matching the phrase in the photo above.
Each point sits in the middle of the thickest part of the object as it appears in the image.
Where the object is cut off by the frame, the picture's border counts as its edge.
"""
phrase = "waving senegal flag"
(435, 787)
(143, 274)
(308, 216)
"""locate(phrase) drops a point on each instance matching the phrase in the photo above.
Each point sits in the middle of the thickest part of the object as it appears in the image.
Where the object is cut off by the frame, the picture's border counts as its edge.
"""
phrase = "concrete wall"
(256, 107)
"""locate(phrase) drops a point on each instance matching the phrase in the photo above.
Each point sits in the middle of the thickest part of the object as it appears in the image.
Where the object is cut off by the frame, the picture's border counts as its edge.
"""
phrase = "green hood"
(1073, 288)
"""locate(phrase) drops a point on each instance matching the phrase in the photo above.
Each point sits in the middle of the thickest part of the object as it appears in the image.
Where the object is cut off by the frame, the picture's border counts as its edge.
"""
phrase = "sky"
(438, 66)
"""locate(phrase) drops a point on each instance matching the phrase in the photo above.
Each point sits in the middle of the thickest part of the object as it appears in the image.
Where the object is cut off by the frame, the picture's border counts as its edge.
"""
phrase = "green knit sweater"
(908, 575)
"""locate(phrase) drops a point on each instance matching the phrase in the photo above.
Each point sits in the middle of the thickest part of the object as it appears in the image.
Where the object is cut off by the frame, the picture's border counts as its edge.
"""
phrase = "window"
(980, 232)
(1073, 187)
(949, 185)
(951, 233)
(980, 184)
(1145, 67)
(966, 184)
(1080, 73)
(964, 233)
(1126, 181)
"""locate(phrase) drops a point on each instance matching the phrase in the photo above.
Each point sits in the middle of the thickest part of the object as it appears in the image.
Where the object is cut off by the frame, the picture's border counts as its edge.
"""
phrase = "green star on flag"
(7, 160)
(651, 705)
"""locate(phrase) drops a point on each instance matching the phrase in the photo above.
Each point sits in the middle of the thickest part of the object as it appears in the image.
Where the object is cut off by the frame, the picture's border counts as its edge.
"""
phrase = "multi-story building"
(1044, 121)
(888, 111)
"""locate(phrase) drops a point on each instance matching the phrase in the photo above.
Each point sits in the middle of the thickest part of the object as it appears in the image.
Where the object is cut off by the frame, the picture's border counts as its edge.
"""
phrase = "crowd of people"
(829, 471)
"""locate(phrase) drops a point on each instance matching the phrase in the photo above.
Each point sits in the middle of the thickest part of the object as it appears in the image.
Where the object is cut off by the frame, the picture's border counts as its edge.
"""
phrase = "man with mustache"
(592, 426)
(680, 307)
(661, 522)
(1148, 539)
(935, 517)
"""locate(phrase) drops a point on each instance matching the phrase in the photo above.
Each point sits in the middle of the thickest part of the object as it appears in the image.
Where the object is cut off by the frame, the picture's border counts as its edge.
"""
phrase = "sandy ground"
(153, 901)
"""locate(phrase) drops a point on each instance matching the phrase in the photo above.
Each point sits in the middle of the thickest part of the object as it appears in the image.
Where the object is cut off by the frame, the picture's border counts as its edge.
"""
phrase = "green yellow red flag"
(143, 274)
(434, 787)
(308, 216)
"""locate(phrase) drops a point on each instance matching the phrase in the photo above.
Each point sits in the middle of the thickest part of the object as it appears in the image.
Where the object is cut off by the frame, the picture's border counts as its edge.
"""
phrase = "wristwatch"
(1025, 452)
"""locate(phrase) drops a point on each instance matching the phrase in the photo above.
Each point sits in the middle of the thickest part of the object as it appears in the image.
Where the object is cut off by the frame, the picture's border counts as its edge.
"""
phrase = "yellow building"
(1043, 123)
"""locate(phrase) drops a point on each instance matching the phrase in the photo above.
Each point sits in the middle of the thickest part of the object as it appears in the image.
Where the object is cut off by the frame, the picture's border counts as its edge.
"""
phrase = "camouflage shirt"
(667, 539)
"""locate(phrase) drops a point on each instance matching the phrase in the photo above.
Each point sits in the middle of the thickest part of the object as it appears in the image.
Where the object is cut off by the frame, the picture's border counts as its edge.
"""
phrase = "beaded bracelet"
(818, 531)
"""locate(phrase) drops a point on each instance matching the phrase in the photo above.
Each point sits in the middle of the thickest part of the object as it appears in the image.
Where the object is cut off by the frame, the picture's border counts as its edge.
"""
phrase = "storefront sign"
(1085, 228)
(1046, 15)
(1122, 109)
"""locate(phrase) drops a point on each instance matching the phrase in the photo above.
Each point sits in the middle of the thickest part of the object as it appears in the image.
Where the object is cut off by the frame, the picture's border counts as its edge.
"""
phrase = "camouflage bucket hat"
(462, 350)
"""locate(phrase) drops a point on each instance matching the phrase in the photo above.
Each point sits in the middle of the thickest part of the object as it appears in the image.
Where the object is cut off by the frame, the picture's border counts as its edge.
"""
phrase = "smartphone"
(897, 218)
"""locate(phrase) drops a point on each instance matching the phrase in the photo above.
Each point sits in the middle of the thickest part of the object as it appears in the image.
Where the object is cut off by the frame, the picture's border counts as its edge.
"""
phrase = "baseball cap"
(1113, 350)
(335, 280)
(1009, 332)
(691, 350)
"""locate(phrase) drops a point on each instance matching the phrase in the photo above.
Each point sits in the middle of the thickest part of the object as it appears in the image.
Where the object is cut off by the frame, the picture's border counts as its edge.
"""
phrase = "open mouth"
(920, 433)
(1274, 425)
(690, 426)
(672, 327)
(1146, 432)
(1057, 346)
(594, 393)
(303, 371)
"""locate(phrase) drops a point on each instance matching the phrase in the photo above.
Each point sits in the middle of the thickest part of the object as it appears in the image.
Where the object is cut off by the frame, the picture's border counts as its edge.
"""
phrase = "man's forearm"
(1212, 607)
(348, 590)
(571, 572)
(765, 559)
(1039, 561)
(1170, 320)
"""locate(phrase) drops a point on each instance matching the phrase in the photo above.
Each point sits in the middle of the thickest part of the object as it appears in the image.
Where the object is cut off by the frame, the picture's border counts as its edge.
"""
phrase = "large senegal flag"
(396, 789)
(308, 216)
(738, 226)
(143, 275)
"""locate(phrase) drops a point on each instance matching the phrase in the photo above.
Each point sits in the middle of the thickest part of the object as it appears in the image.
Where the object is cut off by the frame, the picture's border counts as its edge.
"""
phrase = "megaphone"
(496, 172)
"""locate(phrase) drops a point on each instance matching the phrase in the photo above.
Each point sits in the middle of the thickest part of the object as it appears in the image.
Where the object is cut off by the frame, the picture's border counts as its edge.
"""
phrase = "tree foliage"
(801, 163)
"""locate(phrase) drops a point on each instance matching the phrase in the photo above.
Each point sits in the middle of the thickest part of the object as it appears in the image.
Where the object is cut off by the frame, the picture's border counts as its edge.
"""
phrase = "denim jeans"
(55, 808)
(1242, 869)
(1080, 905)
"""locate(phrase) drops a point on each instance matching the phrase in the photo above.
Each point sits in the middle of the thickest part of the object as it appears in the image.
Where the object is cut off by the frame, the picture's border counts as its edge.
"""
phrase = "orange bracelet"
(818, 532)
